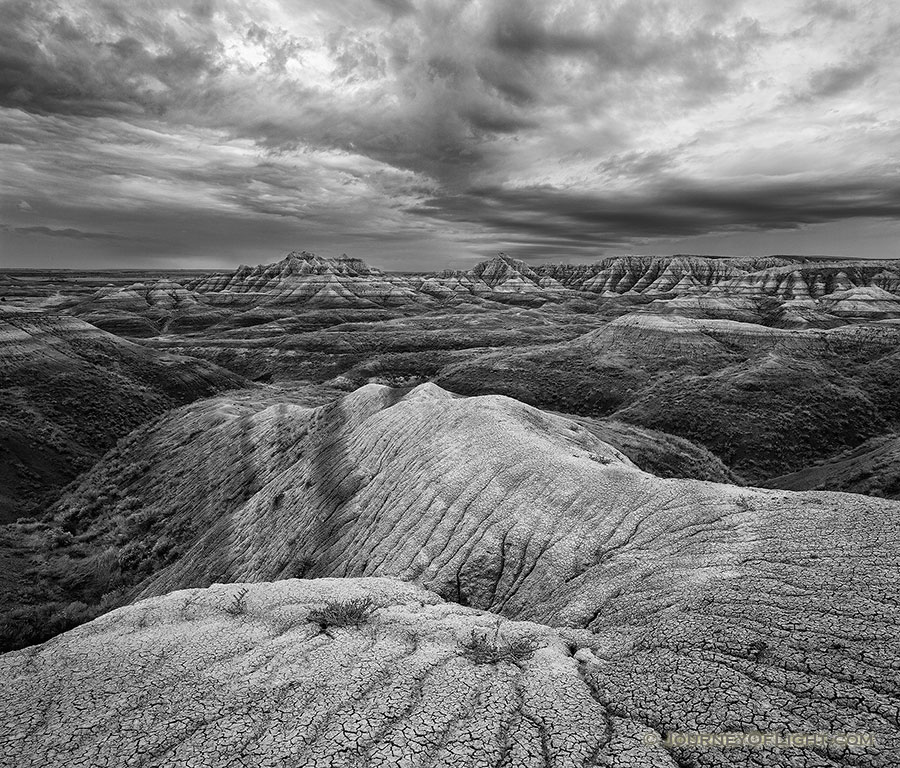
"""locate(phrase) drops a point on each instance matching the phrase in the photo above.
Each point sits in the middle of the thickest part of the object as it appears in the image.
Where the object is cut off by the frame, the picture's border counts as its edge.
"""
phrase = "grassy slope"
(69, 391)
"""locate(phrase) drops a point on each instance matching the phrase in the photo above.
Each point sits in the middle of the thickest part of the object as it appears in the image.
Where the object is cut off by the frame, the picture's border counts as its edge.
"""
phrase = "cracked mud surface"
(178, 681)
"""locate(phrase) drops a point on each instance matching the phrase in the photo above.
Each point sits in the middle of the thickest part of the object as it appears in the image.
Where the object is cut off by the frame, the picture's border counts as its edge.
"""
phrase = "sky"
(422, 134)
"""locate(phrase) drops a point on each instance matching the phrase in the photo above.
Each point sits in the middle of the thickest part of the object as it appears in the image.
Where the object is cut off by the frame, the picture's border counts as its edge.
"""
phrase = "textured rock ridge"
(771, 276)
(185, 679)
(678, 605)
(484, 500)
(774, 290)
(178, 681)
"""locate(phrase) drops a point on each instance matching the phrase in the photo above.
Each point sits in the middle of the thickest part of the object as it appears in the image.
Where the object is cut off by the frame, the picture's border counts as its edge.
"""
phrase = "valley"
(773, 365)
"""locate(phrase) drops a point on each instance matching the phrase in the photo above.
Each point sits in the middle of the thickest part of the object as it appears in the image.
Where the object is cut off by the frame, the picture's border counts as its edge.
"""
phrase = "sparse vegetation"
(238, 604)
(343, 613)
(486, 647)
(185, 606)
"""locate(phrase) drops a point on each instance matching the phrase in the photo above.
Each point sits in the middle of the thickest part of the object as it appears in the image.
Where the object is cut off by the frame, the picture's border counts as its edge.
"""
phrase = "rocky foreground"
(238, 675)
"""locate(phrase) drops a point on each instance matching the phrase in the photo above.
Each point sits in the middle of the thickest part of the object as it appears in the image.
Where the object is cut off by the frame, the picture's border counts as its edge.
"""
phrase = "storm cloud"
(420, 132)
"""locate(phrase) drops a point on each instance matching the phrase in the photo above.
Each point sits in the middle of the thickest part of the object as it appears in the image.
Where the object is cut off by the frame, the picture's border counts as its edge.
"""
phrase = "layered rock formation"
(502, 279)
(143, 310)
(870, 302)
(650, 275)
(783, 291)
(308, 280)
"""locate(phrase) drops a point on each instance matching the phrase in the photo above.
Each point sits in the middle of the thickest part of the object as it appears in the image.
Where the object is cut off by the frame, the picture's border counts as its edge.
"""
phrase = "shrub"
(343, 613)
(238, 604)
(487, 648)
(61, 538)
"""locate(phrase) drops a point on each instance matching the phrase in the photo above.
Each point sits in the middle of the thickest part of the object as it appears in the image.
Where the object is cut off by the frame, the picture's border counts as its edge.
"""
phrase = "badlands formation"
(659, 606)
(179, 681)
(777, 291)
(738, 356)
(545, 479)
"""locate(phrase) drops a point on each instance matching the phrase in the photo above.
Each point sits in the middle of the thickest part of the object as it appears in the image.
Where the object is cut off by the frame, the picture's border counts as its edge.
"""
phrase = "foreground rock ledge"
(179, 680)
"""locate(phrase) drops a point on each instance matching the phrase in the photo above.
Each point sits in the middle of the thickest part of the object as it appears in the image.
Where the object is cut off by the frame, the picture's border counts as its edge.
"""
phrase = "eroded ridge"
(188, 680)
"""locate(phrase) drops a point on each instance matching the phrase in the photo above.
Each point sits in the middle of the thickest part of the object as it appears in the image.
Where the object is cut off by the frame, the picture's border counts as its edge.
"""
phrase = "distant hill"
(779, 291)
(69, 390)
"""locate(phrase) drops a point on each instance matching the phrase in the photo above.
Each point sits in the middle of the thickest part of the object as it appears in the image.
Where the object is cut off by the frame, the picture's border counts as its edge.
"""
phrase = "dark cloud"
(834, 80)
(831, 9)
(74, 234)
(634, 37)
(396, 7)
(560, 124)
(676, 209)
(51, 63)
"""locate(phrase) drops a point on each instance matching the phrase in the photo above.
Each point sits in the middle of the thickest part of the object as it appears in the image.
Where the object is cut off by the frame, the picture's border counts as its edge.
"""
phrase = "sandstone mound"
(766, 401)
(142, 310)
(252, 675)
(870, 302)
(506, 280)
(648, 275)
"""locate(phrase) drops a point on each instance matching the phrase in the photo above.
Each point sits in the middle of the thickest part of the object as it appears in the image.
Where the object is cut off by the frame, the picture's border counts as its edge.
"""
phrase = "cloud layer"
(417, 132)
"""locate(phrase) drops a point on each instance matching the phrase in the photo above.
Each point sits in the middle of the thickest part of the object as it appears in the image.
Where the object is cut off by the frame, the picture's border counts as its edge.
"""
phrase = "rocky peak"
(306, 263)
(502, 268)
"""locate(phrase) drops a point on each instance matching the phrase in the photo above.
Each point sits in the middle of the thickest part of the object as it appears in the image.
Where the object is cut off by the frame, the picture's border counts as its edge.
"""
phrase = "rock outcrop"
(870, 302)
(143, 310)
(668, 606)
(311, 281)
(249, 675)
(484, 500)
(773, 290)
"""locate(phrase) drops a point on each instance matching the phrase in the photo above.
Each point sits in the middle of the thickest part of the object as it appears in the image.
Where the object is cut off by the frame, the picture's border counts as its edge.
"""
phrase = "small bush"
(238, 604)
(483, 648)
(60, 538)
(343, 613)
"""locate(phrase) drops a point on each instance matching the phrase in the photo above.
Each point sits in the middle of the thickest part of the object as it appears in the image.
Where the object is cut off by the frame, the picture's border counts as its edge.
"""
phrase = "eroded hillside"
(485, 500)
(69, 390)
